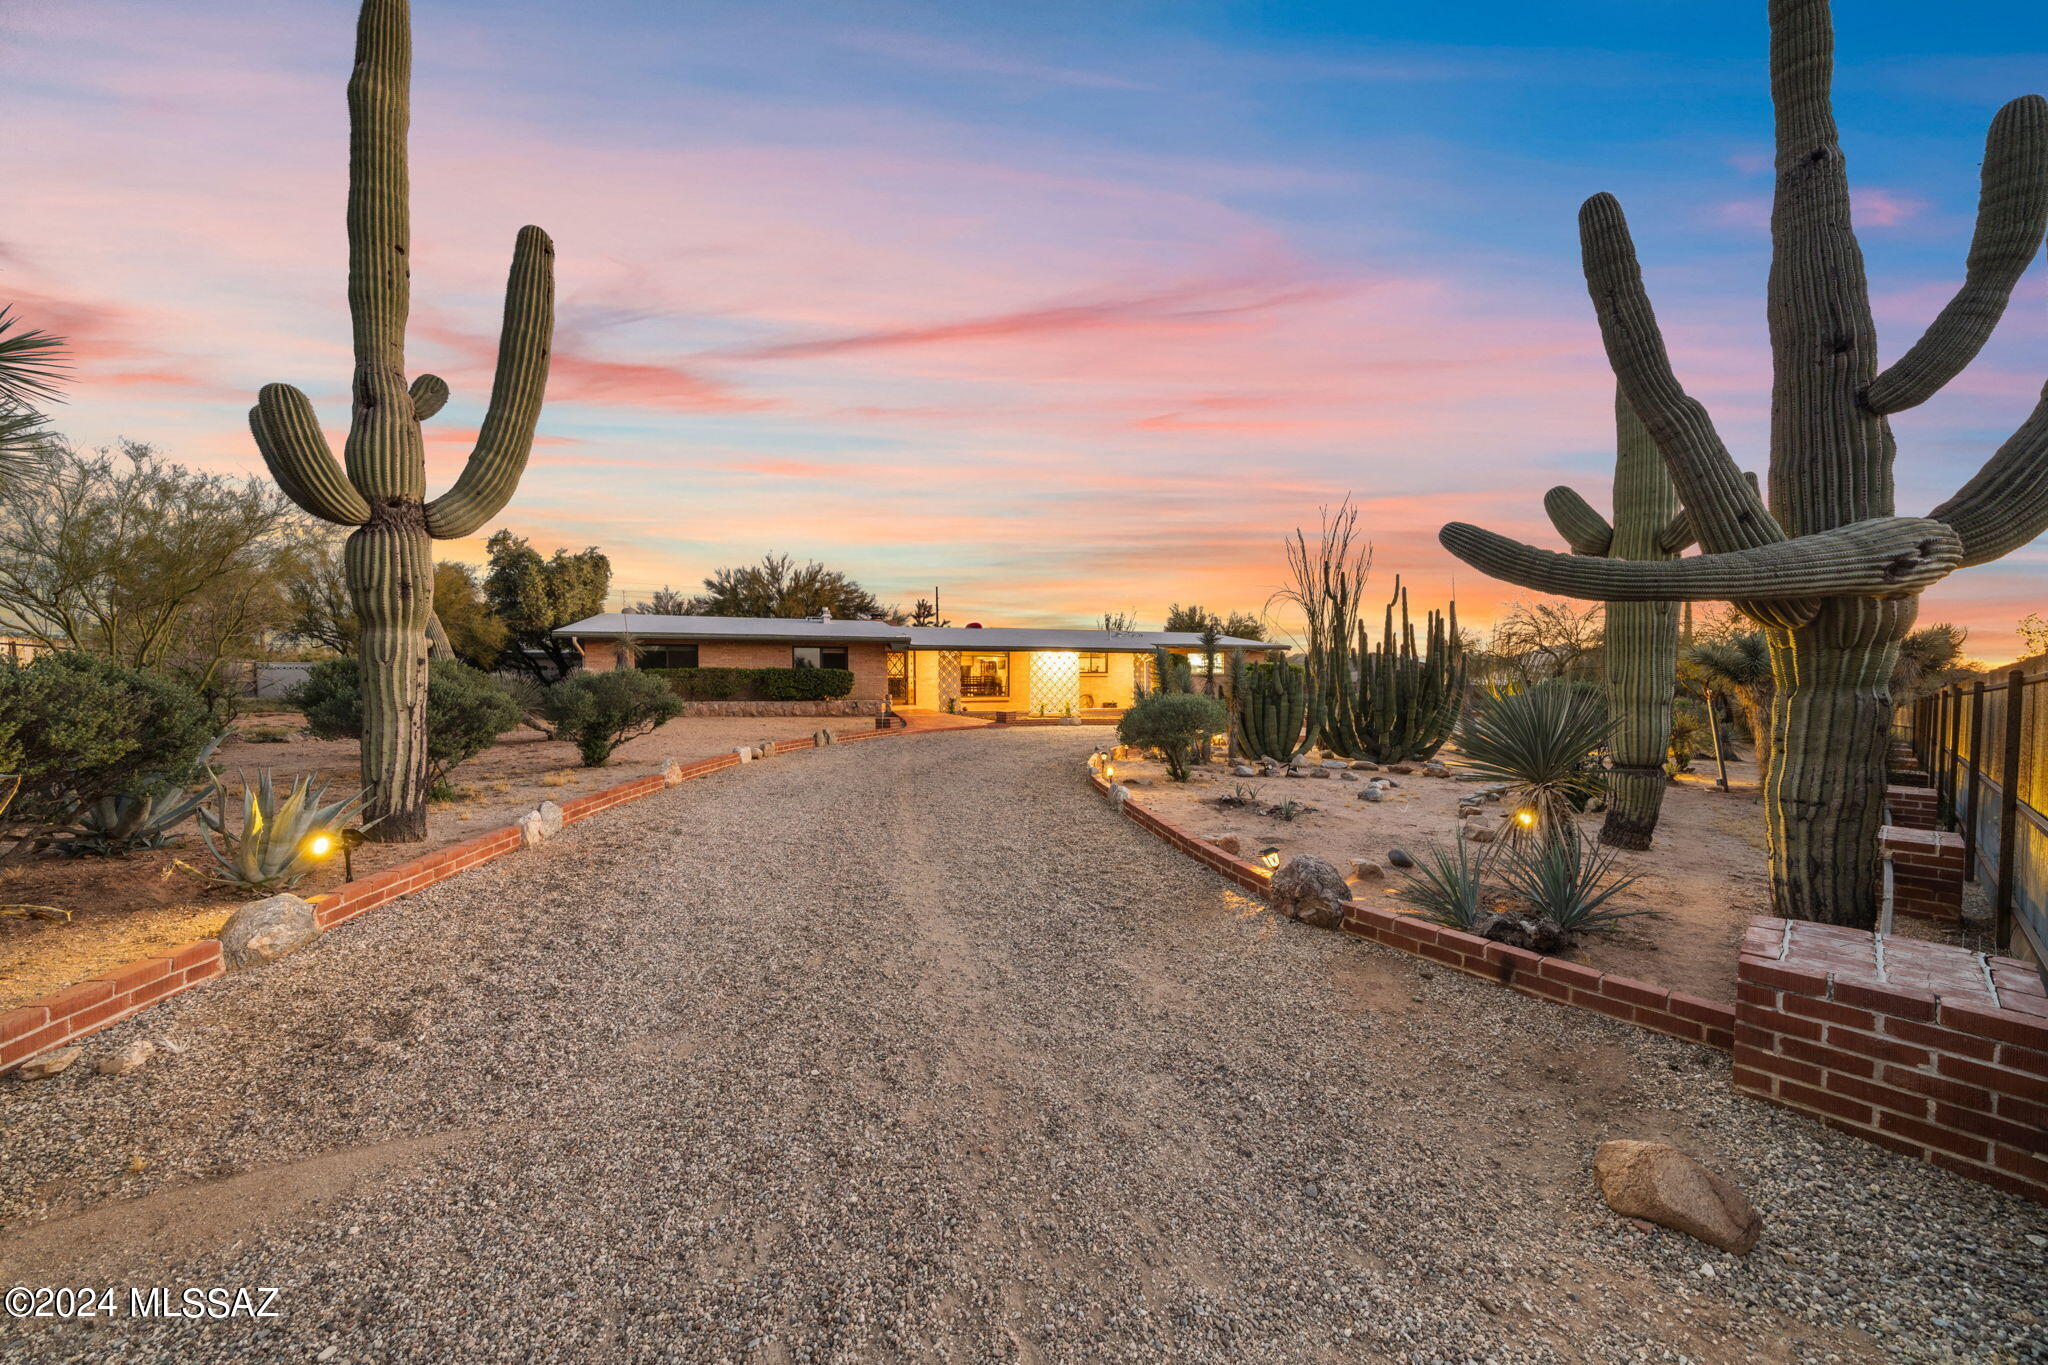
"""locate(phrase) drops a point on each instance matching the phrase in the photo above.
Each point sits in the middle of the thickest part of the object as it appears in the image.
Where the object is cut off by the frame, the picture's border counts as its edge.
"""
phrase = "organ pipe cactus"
(1828, 568)
(1404, 703)
(1274, 710)
(382, 492)
(1642, 637)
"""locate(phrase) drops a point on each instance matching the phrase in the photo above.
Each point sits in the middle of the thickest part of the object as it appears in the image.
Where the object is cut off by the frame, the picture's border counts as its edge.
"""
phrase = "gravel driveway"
(912, 1050)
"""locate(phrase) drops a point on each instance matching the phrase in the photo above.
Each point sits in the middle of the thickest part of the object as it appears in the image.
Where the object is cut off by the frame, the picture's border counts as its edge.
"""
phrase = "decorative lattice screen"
(949, 679)
(1055, 682)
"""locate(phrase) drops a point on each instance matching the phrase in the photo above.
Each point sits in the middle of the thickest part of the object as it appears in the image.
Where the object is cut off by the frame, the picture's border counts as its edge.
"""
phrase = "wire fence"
(1984, 745)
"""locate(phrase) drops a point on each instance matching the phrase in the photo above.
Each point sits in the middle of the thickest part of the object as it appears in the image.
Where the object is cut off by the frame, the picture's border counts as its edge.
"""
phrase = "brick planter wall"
(1911, 807)
(1925, 1048)
(90, 1006)
(1927, 871)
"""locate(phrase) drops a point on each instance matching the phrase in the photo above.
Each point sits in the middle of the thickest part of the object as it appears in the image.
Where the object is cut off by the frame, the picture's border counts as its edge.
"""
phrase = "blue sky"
(1069, 308)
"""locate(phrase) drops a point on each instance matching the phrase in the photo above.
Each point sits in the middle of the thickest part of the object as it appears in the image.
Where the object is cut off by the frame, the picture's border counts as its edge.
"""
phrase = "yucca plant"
(115, 826)
(1448, 885)
(275, 846)
(1567, 879)
(1542, 742)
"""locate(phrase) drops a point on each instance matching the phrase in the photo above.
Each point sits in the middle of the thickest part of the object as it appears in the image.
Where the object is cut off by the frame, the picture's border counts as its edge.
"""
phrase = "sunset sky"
(1067, 308)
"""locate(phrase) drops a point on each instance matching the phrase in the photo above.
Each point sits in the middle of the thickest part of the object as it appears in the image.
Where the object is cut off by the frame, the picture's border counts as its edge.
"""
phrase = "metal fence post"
(1955, 749)
(1976, 780)
(2009, 807)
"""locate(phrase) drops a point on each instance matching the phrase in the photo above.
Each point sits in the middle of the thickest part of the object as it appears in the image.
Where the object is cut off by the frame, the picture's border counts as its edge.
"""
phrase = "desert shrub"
(1542, 741)
(466, 710)
(1690, 736)
(78, 730)
(1448, 886)
(597, 712)
(1174, 723)
(756, 684)
(1567, 879)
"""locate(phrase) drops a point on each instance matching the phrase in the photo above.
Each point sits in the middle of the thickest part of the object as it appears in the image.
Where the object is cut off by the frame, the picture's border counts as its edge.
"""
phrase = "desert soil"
(915, 1050)
(126, 909)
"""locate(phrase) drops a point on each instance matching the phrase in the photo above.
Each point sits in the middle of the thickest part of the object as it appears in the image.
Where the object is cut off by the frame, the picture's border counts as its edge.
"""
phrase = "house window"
(816, 656)
(984, 675)
(667, 656)
(1095, 663)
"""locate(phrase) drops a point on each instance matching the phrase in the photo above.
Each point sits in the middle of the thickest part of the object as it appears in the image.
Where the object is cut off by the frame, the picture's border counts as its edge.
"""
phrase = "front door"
(902, 678)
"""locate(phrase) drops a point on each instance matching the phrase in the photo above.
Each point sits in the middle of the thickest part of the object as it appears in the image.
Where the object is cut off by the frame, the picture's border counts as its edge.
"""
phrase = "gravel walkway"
(912, 1050)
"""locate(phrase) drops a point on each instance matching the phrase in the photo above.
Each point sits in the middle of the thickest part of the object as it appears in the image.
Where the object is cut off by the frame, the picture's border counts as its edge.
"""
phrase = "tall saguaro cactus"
(1827, 568)
(389, 558)
(1642, 637)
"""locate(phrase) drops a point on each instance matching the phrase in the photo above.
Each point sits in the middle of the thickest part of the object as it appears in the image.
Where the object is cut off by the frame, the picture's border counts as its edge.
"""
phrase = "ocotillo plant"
(1273, 708)
(1827, 568)
(1328, 587)
(1405, 703)
(389, 558)
(1642, 637)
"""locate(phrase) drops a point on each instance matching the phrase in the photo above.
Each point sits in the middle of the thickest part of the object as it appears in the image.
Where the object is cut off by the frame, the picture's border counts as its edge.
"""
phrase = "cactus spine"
(1827, 568)
(1406, 703)
(1642, 637)
(1275, 710)
(389, 557)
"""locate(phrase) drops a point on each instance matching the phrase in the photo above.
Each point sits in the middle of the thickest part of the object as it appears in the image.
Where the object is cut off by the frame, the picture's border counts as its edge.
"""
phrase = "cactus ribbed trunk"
(1831, 738)
(1827, 568)
(380, 488)
(1642, 640)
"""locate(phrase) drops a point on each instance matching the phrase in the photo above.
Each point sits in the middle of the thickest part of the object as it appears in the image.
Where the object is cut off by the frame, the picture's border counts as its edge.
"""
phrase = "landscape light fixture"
(1269, 858)
(1526, 818)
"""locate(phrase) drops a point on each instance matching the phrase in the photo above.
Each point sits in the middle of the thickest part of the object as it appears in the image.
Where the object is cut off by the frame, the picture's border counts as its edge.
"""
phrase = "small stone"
(1363, 766)
(1481, 834)
(550, 818)
(1118, 794)
(1319, 772)
(1347, 777)
(745, 752)
(1334, 764)
(1229, 843)
(1662, 1184)
(1399, 858)
(1244, 770)
(125, 1060)
(1402, 768)
(1368, 869)
(1374, 794)
(49, 1064)
(1310, 890)
(266, 930)
(823, 738)
(1296, 772)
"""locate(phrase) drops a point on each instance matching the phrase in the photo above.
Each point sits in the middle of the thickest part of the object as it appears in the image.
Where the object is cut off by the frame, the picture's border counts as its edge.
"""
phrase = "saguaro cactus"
(389, 558)
(1642, 637)
(1828, 569)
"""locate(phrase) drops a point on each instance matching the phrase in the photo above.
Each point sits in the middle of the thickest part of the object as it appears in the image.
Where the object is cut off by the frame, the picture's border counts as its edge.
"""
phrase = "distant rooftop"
(777, 630)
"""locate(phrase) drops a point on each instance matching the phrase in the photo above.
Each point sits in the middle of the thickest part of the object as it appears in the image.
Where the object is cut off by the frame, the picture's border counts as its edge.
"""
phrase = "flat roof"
(799, 630)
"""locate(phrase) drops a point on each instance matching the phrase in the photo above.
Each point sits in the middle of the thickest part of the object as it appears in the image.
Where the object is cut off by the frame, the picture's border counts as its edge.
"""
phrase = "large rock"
(266, 930)
(126, 1059)
(49, 1064)
(1310, 890)
(1662, 1184)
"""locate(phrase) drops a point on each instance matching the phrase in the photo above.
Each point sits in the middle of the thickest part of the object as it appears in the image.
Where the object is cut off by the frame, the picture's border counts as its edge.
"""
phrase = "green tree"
(1195, 619)
(534, 596)
(2033, 632)
(466, 710)
(144, 562)
(778, 586)
(597, 712)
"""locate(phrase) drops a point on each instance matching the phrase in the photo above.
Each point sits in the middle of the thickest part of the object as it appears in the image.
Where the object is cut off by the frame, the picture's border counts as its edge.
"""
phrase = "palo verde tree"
(1642, 637)
(1828, 569)
(389, 557)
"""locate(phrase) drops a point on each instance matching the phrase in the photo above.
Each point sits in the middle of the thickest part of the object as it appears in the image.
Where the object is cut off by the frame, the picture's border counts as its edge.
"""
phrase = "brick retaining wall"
(84, 1009)
(1927, 871)
(1911, 807)
(1925, 1048)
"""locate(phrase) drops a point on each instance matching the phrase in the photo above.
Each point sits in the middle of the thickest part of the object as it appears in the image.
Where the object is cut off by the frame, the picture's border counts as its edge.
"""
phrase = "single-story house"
(1026, 670)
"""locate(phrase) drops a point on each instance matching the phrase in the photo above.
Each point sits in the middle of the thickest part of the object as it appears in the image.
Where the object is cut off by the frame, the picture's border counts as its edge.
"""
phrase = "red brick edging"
(1657, 1008)
(106, 999)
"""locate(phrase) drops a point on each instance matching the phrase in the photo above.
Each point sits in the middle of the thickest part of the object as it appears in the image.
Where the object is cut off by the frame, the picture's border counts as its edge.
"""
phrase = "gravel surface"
(912, 1050)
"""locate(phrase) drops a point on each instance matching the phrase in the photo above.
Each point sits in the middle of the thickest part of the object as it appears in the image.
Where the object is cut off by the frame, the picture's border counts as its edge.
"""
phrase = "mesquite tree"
(389, 557)
(1828, 569)
(1642, 637)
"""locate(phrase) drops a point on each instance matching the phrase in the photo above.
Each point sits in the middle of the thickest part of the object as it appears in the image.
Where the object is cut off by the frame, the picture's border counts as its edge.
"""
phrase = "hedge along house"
(1022, 671)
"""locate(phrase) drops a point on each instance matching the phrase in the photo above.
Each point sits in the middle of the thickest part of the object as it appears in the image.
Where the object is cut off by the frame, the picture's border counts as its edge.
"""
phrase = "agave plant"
(277, 842)
(1447, 885)
(115, 826)
(1568, 880)
(1541, 741)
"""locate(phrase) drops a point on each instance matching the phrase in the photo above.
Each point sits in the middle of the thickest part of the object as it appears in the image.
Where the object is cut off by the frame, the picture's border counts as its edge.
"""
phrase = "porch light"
(1269, 858)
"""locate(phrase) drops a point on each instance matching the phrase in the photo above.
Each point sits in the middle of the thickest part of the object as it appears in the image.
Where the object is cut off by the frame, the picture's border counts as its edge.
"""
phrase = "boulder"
(822, 738)
(1310, 890)
(49, 1064)
(671, 772)
(1662, 1184)
(124, 1060)
(266, 930)
(745, 752)
(1118, 794)
(1537, 935)
(544, 821)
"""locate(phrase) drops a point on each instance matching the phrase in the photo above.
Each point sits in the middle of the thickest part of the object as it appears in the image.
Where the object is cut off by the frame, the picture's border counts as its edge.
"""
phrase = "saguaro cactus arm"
(2005, 504)
(2012, 216)
(1884, 557)
(1677, 533)
(300, 459)
(1584, 529)
(429, 395)
(499, 458)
